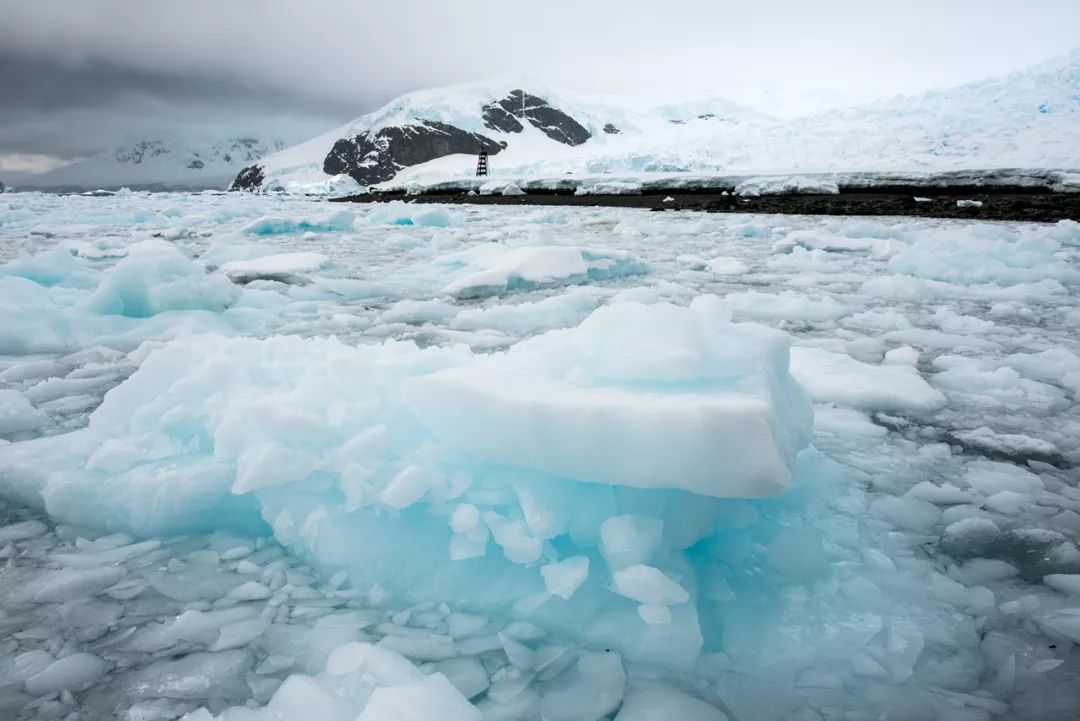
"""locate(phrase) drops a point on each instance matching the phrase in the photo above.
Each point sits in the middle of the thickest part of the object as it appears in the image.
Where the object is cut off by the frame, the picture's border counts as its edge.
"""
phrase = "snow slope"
(617, 129)
(1029, 119)
(168, 163)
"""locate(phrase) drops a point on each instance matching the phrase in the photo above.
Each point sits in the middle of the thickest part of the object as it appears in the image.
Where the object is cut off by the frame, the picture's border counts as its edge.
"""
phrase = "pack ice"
(262, 461)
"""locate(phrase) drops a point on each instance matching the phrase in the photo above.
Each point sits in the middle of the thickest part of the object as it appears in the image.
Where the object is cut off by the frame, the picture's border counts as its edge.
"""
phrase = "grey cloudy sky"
(81, 76)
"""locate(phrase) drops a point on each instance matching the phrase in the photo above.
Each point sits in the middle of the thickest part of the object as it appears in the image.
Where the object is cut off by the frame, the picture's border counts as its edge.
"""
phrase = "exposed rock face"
(250, 178)
(611, 129)
(506, 115)
(498, 118)
(373, 158)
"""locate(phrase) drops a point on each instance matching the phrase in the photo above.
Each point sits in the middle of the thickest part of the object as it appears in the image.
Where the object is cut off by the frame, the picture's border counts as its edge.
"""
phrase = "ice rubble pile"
(653, 420)
(57, 301)
(195, 626)
(156, 277)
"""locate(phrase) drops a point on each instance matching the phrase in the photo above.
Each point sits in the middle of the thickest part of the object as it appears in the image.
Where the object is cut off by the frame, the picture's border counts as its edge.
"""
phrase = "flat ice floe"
(282, 267)
(266, 459)
(494, 269)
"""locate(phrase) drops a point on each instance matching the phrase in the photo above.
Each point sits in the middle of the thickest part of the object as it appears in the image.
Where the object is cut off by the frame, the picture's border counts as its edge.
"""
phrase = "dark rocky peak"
(611, 129)
(498, 118)
(144, 149)
(506, 115)
(370, 158)
(249, 178)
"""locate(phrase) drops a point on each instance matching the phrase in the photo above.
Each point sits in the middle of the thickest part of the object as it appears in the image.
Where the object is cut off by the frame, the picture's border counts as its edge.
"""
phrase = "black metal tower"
(482, 164)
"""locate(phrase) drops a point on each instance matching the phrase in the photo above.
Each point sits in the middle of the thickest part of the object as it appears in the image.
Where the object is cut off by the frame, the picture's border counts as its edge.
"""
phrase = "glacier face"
(582, 488)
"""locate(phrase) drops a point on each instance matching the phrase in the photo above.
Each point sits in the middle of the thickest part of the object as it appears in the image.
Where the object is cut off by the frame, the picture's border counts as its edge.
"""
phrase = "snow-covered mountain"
(1030, 119)
(531, 129)
(165, 163)
(1027, 119)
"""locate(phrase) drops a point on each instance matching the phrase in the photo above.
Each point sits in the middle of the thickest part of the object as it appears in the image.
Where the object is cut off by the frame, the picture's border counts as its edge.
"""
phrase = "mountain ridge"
(161, 162)
(1029, 118)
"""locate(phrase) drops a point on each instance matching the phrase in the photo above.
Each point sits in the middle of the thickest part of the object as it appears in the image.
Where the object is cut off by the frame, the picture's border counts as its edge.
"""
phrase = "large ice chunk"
(650, 396)
(156, 277)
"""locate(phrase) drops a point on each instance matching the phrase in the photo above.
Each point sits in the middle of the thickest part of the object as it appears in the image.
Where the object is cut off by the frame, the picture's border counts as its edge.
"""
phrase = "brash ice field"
(264, 458)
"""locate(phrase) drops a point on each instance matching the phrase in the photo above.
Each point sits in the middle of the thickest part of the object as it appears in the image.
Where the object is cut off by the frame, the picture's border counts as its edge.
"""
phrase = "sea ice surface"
(262, 459)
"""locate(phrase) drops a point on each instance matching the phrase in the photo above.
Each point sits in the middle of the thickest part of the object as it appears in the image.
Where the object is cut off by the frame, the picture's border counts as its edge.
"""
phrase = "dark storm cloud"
(74, 109)
(44, 84)
(78, 75)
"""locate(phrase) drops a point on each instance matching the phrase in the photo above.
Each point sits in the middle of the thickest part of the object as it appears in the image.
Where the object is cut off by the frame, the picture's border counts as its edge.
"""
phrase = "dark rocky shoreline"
(998, 203)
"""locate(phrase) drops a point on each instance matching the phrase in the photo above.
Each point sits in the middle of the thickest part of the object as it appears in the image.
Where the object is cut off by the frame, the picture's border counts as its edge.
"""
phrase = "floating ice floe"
(493, 269)
(832, 242)
(284, 267)
(839, 378)
(754, 305)
(555, 312)
(400, 213)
